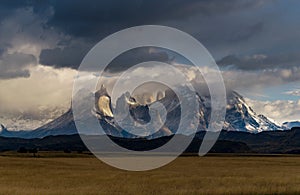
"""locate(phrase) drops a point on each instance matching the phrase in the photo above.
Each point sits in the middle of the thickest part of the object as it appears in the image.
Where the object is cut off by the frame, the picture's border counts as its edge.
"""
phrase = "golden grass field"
(83, 174)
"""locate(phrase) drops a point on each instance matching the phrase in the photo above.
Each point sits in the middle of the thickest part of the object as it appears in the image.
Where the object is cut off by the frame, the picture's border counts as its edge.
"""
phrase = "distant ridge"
(271, 142)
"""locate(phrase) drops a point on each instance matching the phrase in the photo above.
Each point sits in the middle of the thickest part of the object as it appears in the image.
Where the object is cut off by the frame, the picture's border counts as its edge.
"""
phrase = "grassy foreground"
(187, 175)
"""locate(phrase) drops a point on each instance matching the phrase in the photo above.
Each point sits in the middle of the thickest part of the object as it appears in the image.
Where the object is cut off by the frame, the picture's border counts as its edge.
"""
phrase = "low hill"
(268, 142)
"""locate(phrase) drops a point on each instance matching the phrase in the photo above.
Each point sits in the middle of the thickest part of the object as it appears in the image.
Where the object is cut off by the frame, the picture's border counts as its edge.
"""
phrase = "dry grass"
(186, 175)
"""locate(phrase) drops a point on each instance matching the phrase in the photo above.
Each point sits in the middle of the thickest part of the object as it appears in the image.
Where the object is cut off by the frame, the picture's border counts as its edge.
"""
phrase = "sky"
(255, 43)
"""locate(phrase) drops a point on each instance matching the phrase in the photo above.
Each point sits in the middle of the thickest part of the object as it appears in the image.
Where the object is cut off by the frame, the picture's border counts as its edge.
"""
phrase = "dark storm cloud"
(16, 65)
(256, 62)
(72, 57)
(7, 6)
(93, 20)
(87, 22)
(136, 56)
(242, 34)
(69, 56)
(20, 37)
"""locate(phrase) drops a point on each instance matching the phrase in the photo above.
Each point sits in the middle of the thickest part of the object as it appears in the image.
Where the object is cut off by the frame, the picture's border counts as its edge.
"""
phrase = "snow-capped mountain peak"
(241, 117)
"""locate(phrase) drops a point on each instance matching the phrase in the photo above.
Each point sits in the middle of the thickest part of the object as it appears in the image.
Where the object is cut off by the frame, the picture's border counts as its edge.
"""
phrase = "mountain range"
(239, 117)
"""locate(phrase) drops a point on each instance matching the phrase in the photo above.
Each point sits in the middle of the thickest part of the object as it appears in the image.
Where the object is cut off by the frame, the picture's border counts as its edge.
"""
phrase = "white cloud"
(258, 80)
(279, 110)
(295, 92)
(45, 87)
